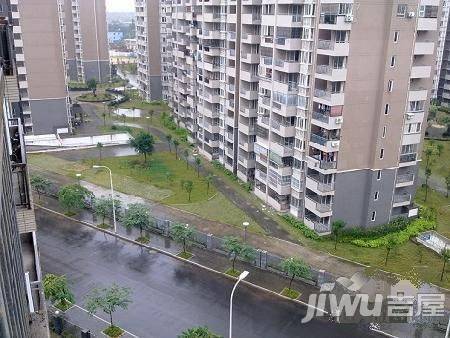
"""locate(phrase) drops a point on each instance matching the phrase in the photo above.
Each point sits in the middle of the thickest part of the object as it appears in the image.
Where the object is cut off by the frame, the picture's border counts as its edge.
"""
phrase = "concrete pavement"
(169, 295)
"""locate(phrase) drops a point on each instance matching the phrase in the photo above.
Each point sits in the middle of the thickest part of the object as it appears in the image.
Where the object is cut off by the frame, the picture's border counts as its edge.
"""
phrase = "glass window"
(401, 10)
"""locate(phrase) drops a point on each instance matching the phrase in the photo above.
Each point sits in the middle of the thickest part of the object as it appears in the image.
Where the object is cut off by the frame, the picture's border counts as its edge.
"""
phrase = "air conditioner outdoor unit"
(409, 116)
(411, 15)
(335, 144)
(349, 18)
(338, 120)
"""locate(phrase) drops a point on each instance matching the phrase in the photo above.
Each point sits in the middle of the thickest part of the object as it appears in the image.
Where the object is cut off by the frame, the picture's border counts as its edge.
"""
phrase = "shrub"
(349, 234)
(307, 232)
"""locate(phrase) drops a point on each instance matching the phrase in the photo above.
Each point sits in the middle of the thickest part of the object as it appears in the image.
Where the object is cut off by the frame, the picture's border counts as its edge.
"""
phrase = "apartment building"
(281, 93)
(442, 38)
(86, 40)
(22, 304)
(148, 26)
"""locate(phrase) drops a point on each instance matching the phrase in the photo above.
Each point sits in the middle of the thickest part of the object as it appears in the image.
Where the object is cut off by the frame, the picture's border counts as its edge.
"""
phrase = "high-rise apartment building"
(86, 37)
(22, 305)
(320, 103)
(148, 39)
(39, 57)
(440, 48)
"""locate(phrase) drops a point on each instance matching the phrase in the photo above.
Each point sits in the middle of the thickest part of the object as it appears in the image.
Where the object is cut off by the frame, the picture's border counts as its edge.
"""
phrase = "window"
(378, 175)
(381, 153)
(386, 109)
(374, 215)
(393, 61)
(383, 135)
(396, 36)
(375, 197)
(390, 86)
(401, 10)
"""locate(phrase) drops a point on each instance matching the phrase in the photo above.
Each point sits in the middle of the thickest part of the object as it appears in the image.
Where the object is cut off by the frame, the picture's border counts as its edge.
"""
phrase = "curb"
(126, 239)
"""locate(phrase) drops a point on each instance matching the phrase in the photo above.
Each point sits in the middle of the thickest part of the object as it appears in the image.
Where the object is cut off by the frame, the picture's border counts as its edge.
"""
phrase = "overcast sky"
(120, 5)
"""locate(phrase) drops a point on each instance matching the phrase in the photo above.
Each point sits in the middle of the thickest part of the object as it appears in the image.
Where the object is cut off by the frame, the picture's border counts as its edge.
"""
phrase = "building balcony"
(427, 24)
(317, 207)
(211, 128)
(282, 129)
(285, 65)
(323, 143)
(248, 76)
(335, 22)
(325, 167)
(285, 87)
(332, 48)
(401, 200)
(424, 48)
(420, 72)
(248, 112)
(252, 2)
(328, 73)
(209, 66)
(326, 121)
(288, 43)
(317, 226)
(214, 84)
(249, 94)
(247, 129)
(328, 98)
(246, 162)
(408, 160)
(290, 20)
(280, 189)
(251, 18)
(260, 175)
(211, 50)
(404, 180)
(210, 17)
(245, 145)
(418, 94)
(320, 188)
(282, 150)
(250, 38)
(250, 57)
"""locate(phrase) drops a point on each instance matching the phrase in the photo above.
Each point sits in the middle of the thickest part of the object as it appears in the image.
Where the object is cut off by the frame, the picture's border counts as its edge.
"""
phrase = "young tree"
(182, 234)
(103, 207)
(124, 118)
(57, 290)
(295, 267)
(390, 245)
(427, 177)
(445, 253)
(104, 118)
(440, 149)
(336, 228)
(237, 249)
(428, 156)
(198, 164)
(40, 184)
(169, 141)
(169, 176)
(198, 332)
(143, 144)
(208, 180)
(188, 186)
(100, 148)
(151, 113)
(108, 300)
(186, 157)
(137, 216)
(176, 143)
(72, 197)
(92, 85)
(447, 184)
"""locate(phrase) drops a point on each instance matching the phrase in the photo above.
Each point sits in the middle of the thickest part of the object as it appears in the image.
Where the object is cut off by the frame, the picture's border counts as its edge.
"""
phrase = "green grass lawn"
(440, 165)
(100, 97)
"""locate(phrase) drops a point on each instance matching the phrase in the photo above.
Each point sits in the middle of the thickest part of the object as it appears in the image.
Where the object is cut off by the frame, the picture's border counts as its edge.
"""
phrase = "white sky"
(120, 5)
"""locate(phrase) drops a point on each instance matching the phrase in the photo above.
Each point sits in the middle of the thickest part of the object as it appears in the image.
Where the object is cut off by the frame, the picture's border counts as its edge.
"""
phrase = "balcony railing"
(325, 44)
(408, 158)
(321, 117)
(322, 140)
(324, 69)
(405, 178)
(322, 94)
(402, 198)
(321, 186)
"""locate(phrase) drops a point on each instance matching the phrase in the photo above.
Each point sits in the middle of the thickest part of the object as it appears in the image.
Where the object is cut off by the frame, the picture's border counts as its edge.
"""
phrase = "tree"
(40, 184)
(445, 253)
(137, 216)
(169, 141)
(108, 300)
(236, 248)
(100, 148)
(104, 118)
(295, 267)
(182, 234)
(143, 144)
(186, 157)
(176, 143)
(57, 290)
(208, 180)
(72, 197)
(428, 155)
(198, 332)
(92, 85)
(151, 113)
(440, 149)
(427, 177)
(447, 183)
(390, 245)
(198, 163)
(124, 117)
(169, 176)
(103, 207)
(188, 186)
(336, 228)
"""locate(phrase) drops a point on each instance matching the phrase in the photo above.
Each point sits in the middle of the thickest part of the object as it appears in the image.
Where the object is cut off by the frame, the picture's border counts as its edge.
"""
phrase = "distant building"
(131, 44)
(441, 84)
(114, 37)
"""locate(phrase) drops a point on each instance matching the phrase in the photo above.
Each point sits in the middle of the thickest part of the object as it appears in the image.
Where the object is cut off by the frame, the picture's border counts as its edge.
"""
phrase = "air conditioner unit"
(349, 18)
(335, 144)
(409, 116)
(338, 120)
(411, 15)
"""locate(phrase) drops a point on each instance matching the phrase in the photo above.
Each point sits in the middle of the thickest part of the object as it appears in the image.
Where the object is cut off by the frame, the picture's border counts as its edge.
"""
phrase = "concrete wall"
(48, 115)
(155, 87)
(72, 71)
(91, 70)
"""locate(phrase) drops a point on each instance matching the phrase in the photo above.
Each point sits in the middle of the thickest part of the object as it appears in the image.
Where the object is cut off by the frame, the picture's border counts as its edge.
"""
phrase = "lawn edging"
(174, 256)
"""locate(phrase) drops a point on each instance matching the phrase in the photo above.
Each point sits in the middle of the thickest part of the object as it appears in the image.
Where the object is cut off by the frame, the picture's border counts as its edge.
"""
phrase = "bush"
(349, 234)
(297, 224)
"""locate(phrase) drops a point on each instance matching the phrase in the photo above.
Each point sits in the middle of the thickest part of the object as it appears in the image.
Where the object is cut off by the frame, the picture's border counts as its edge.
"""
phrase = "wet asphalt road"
(169, 296)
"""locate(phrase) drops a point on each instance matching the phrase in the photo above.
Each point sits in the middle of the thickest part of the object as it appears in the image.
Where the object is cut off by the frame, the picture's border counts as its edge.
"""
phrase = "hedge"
(297, 224)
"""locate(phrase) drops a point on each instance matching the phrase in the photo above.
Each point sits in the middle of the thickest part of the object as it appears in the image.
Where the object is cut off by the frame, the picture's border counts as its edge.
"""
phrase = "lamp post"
(245, 224)
(112, 193)
(241, 277)
(78, 178)
(148, 124)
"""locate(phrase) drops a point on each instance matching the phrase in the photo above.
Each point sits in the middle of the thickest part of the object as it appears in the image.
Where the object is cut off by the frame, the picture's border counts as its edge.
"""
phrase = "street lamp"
(241, 277)
(245, 224)
(148, 124)
(78, 178)
(112, 193)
